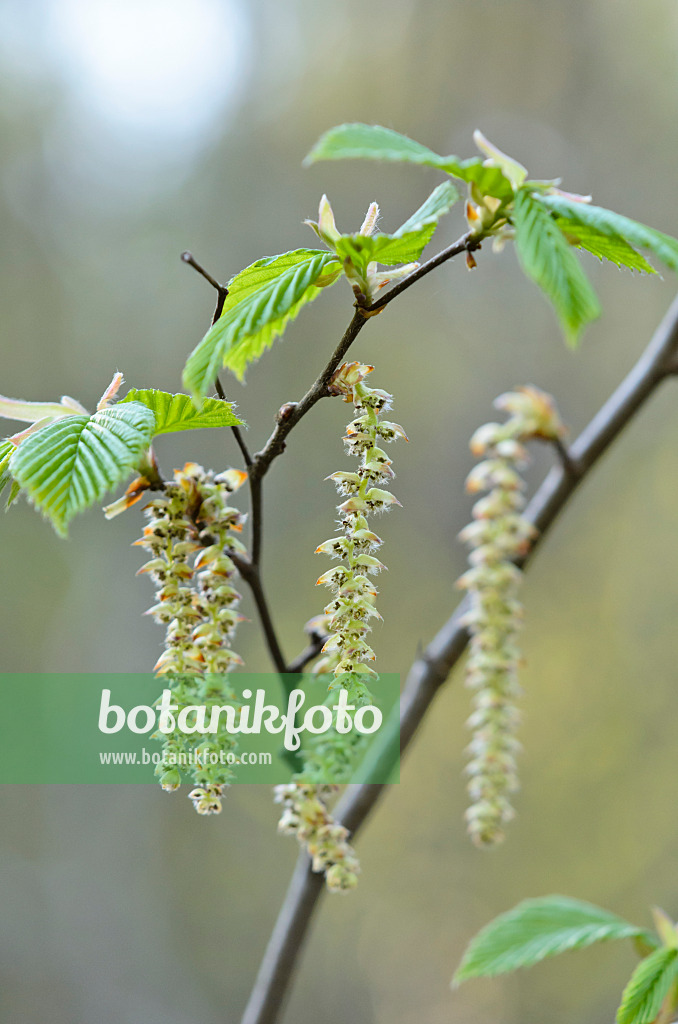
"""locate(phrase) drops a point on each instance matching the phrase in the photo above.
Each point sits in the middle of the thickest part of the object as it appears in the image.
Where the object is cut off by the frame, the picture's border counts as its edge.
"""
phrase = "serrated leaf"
(262, 299)
(664, 247)
(431, 210)
(605, 247)
(14, 493)
(666, 928)
(648, 987)
(178, 412)
(537, 929)
(71, 463)
(372, 142)
(7, 449)
(547, 258)
(407, 243)
(385, 249)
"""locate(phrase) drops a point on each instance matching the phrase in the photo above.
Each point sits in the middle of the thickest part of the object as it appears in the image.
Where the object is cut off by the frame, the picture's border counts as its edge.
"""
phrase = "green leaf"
(261, 301)
(664, 247)
(7, 449)
(547, 258)
(431, 210)
(510, 168)
(605, 247)
(385, 249)
(537, 929)
(408, 242)
(372, 142)
(491, 181)
(14, 492)
(71, 463)
(177, 412)
(648, 987)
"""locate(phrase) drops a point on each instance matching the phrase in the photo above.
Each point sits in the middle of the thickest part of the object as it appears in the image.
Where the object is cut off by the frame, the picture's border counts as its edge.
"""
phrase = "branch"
(250, 570)
(430, 670)
(295, 411)
(310, 652)
(467, 243)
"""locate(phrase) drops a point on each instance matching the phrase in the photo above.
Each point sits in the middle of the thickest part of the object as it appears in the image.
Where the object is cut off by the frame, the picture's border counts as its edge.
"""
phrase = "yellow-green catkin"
(347, 619)
(190, 535)
(306, 816)
(353, 603)
(498, 536)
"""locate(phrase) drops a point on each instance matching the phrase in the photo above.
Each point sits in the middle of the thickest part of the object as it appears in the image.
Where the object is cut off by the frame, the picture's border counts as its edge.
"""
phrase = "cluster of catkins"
(498, 536)
(347, 619)
(190, 538)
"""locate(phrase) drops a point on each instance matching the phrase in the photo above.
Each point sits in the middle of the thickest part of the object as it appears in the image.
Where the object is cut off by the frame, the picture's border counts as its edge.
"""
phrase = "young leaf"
(648, 987)
(491, 181)
(177, 412)
(7, 449)
(372, 142)
(431, 210)
(386, 249)
(547, 258)
(261, 301)
(605, 247)
(514, 171)
(14, 492)
(664, 247)
(537, 929)
(407, 243)
(71, 463)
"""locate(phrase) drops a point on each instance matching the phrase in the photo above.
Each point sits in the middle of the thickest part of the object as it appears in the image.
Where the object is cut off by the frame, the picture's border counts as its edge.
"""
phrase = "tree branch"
(467, 243)
(430, 670)
(296, 411)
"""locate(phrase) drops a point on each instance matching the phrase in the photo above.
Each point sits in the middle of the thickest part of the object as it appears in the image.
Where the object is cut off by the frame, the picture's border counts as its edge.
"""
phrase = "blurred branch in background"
(432, 667)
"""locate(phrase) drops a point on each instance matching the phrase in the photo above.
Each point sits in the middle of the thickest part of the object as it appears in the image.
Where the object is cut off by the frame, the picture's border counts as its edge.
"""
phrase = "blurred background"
(135, 129)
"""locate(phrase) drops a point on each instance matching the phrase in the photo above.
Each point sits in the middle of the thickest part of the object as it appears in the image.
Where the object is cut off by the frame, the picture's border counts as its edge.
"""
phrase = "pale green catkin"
(198, 603)
(347, 619)
(497, 537)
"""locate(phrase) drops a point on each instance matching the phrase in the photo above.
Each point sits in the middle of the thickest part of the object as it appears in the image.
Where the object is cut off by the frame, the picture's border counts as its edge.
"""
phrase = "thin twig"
(250, 570)
(221, 289)
(319, 389)
(467, 243)
(250, 573)
(240, 440)
(430, 670)
(310, 652)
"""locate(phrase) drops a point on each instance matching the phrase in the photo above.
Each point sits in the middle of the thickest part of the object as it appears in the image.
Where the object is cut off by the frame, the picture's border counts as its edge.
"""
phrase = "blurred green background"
(134, 129)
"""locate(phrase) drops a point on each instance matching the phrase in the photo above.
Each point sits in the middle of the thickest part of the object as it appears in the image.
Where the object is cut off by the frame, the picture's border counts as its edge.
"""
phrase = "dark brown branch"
(250, 570)
(430, 670)
(240, 440)
(467, 243)
(310, 652)
(221, 289)
(296, 411)
(250, 574)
